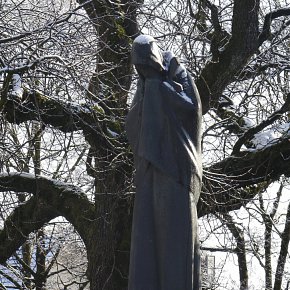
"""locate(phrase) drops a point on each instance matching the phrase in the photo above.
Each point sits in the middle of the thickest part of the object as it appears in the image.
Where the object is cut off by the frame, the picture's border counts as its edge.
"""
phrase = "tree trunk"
(267, 246)
(40, 275)
(109, 245)
(240, 250)
(108, 242)
(26, 254)
(285, 239)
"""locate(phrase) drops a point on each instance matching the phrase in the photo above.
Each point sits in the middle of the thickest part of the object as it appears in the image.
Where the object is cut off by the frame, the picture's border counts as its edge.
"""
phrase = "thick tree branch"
(233, 121)
(24, 220)
(266, 31)
(98, 128)
(231, 183)
(51, 199)
(214, 16)
(220, 36)
(243, 44)
(285, 239)
(116, 25)
(248, 135)
(244, 27)
(67, 117)
(220, 194)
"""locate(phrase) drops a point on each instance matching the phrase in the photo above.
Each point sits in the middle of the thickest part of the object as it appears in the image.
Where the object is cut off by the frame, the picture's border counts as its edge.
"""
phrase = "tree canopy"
(66, 84)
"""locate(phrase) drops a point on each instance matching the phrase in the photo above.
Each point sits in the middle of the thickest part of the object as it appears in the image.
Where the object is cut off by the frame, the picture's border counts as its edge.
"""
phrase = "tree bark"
(105, 225)
(243, 43)
(285, 238)
(240, 249)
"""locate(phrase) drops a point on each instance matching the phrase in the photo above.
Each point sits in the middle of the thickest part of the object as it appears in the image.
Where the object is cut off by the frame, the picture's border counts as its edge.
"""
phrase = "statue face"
(157, 56)
(146, 52)
(147, 71)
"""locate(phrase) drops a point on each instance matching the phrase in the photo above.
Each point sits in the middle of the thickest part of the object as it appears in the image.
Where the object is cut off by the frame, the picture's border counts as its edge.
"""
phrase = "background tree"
(258, 235)
(67, 69)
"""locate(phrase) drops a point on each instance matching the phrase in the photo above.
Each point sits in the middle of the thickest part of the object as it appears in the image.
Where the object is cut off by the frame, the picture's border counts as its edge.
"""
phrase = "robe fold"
(163, 128)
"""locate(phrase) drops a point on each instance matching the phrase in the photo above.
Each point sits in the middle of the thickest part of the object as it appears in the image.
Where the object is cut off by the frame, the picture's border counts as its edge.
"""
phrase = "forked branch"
(51, 199)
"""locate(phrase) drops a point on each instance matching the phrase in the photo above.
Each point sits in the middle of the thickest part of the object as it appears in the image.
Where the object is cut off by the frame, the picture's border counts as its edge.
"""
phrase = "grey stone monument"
(164, 129)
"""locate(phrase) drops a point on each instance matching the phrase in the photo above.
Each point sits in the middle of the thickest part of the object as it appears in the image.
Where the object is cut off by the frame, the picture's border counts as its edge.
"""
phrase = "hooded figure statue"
(163, 128)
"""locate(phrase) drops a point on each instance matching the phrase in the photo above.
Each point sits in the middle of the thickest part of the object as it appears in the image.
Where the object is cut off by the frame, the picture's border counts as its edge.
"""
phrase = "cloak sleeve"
(157, 130)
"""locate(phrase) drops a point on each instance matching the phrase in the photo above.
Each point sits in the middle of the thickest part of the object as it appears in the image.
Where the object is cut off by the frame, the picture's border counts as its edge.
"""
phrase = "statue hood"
(146, 52)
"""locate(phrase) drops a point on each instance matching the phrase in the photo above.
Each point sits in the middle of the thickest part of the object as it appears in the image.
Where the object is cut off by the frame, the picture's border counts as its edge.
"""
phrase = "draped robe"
(163, 128)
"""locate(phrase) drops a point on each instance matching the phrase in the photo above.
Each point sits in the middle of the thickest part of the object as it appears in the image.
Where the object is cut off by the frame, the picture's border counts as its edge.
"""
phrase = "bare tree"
(68, 69)
(260, 239)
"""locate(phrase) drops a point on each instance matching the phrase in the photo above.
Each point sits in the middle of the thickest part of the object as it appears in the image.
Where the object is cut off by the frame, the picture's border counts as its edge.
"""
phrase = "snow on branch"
(248, 135)
(51, 198)
(21, 181)
(17, 89)
(266, 31)
(65, 116)
(25, 219)
(234, 181)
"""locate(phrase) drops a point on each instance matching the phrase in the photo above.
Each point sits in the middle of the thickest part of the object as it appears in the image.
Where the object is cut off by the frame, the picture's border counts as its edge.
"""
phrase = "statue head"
(146, 53)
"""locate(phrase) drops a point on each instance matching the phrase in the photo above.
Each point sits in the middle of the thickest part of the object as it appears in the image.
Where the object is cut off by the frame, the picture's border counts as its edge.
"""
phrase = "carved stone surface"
(163, 128)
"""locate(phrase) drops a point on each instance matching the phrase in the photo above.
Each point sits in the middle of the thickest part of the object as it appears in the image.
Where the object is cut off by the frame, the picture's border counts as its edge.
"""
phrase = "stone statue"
(163, 128)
